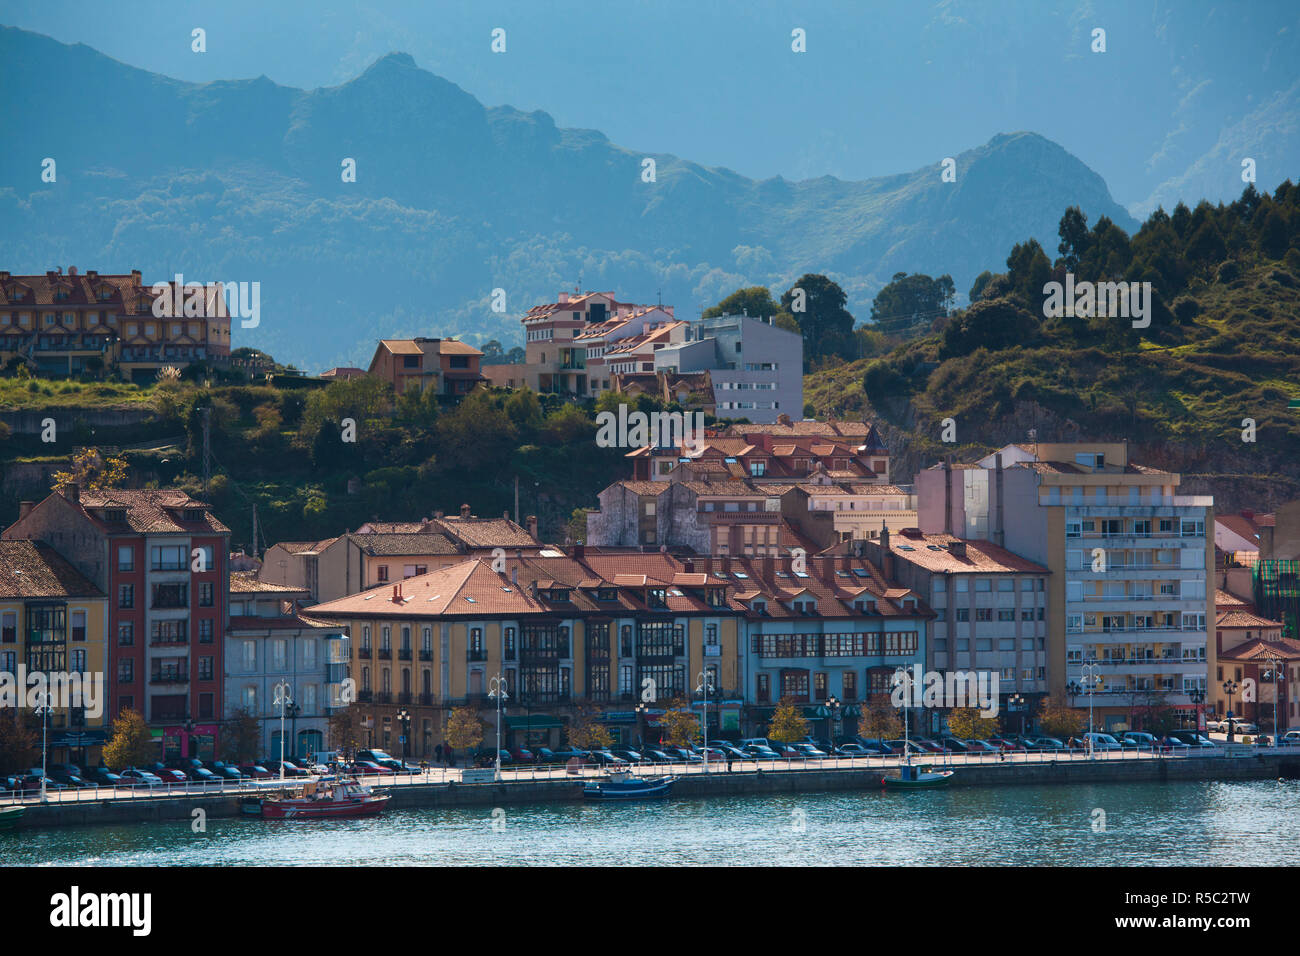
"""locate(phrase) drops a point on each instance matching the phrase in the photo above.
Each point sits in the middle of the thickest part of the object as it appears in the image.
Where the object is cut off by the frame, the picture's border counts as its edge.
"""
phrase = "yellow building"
(52, 637)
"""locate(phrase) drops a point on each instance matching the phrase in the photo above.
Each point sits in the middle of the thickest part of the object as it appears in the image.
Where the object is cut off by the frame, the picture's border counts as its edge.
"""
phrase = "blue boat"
(624, 786)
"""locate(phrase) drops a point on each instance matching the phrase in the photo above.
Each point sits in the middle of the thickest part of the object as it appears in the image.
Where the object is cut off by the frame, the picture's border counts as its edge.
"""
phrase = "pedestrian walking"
(437, 753)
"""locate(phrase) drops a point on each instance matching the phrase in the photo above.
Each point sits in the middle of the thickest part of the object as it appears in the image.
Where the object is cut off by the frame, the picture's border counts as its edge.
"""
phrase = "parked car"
(605, 758)
(1140, 740)
(953, 745)
(1102, 741)
(760, 752)
(167, 774)
(67, 778)
(487, 757)
(366, 768)
(1193, 739)
(715, 755)
(1234, 724)
(544, 755)
(523, 755)
(655, 755)
(755, 742)
(732, 751)
(1173, 743)
(1007, 744)
(810, 752)
(202, 775)
(628, 754)
(857, 750)
(145, 777)
(565, 754)
(55, 770)
(291, 769)
(682, 754)
(32, 782)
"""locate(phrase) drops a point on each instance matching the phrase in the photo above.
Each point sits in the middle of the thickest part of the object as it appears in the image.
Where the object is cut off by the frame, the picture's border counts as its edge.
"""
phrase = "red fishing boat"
(326, 799)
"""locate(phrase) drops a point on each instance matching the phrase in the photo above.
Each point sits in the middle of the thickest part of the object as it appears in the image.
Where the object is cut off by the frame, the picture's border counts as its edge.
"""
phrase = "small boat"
(326, 799)
(9, 817)
(916, 778)
(625, 786)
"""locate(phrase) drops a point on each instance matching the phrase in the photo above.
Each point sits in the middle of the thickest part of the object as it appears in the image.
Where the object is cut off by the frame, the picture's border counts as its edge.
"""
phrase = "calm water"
(1181, 823)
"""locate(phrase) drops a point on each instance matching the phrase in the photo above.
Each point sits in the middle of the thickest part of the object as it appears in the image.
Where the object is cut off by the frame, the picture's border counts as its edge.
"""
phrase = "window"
(125, 671)
(126, 596)
(764, 688)
(9, 627)
(205, 668)
(125, 558)
(963, 614)
(250, 655)
(850, 684)
(125, 633)
(167, 557)
(78, 625)
(381, 574)
(205, 594)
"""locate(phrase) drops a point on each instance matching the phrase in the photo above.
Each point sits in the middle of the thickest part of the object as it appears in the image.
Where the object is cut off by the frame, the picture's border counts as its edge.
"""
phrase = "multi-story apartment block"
(1131, 564)
(569, 344)
(379, 553)
(271, 643)
(163, 560)
(448, 367)
(66, 324)
(990, 609)
(756, 368)
(53, 620)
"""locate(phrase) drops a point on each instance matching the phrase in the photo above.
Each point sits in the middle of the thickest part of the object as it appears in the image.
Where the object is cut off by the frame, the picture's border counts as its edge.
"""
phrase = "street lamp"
(1197, 696)
(706, 685)
(641, 710)
(44, 710)
(283, 699)
(1088, 674)
(1272, 673)
(1229, 687)
(497, 691)
(833, 703)
(404, 719)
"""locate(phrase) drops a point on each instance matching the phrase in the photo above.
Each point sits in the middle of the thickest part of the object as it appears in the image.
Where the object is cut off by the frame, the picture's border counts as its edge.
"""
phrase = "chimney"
(464, 511)
(437, 515)
(92, 274)
(579, 552)
(564, 298)
(688, 566)
(136, 277)
(73, 493)
(886, 554)
(25, 508)
(957, 549)
(397, 594)
(531, 521)
(947, 494)
(999, 536)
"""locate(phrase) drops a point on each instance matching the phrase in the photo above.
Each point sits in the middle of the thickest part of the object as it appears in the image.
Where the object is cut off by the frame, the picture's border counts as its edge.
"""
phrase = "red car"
(168, 775)
(523, 755)
(362, 767)
(931, 746)
(1003, 744)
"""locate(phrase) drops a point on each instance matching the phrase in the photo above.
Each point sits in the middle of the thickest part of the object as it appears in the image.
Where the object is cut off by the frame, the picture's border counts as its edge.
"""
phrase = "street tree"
(131, 744)
(788, 723)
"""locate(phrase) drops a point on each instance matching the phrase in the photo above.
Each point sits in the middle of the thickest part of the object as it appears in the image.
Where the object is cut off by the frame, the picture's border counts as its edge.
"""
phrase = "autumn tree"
(345, 729)
(788, 723)
(91, 471)
(20, 744)
(464, 728)
(132, 744)
(586, 733)
(1058, 719)
(880, 722)
(679, 726)
(241, 737)
(967, 722)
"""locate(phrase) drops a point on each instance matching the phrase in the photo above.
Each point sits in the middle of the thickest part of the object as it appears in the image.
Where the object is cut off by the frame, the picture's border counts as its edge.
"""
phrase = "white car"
(1103, 742)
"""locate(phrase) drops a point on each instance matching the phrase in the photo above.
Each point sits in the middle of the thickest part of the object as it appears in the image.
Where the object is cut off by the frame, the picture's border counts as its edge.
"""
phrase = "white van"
(1102, 742)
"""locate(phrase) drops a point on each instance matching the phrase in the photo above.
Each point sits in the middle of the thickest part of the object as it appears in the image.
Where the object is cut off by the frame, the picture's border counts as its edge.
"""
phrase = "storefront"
(190, 740)
(534, 730)
(81, 747)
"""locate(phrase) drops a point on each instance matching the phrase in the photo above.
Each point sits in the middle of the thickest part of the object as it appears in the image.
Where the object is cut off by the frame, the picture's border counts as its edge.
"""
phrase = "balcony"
(169, 677)
(366, 651)
(426, 700)
(476, 654)
(385, 653)
(384, 697)
(404, 654)
(426, 654)
(365, 696)
(404, 697)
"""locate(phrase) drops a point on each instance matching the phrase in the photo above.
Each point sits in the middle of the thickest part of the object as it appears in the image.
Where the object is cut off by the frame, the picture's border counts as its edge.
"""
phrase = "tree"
(755, 301)
(131, 745)
(1058, 719)
(576, 529)
(585, 733)
(1029, 270)
(994, 324)
(20, 745)
(493, 352)
(880, 722)
(679, 726)
(1075, 238)
(92, 471)
(241, 737)
(475, 435)
(967, 722)
(788, 723)
(464, 728)
(827, 326)
(345, 729)
(909, 303)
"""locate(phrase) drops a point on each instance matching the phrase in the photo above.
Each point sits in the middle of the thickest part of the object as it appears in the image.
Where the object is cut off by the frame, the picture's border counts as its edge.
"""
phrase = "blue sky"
(884, 87)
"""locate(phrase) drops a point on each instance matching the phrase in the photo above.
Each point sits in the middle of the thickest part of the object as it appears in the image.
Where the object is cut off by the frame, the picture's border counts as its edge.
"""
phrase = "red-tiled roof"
(33, 569)
(934, 553)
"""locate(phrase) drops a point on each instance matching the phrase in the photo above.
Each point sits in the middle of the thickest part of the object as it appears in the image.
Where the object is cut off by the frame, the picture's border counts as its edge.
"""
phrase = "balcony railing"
(366, 650)
(404, 654)
(385, 653)
(426, 654)
(404, 697)
(169, 677)
(384, 697)
(476, 654)
(426, 699)
(365, 696)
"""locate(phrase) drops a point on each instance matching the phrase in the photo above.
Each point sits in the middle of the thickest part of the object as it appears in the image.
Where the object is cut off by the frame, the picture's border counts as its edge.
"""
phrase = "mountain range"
(241, 180)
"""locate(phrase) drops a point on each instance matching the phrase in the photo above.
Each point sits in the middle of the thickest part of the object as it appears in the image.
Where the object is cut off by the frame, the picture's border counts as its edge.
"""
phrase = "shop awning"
(850, 710)
(534, 722)
(817, 713)
(82, 738)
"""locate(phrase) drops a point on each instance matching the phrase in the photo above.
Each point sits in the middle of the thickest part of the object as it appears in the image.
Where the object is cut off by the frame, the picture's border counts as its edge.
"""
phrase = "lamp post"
(706, 685)
(1273, 674)
(44, 710)
(1229, 687)
(1197, 697)
(641, 710)
(497, 691)
(283, 698)
(1087, 674)
(404, 719)
(1017, 702)
(833, 703)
